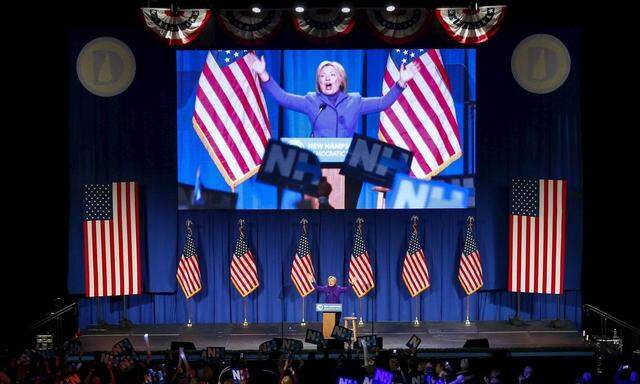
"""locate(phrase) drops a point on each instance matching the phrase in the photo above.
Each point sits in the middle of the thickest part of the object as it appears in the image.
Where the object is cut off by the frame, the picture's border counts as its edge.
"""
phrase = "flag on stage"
(111, 235)
(360, 270)
(302, 272)
(470, 270)
(230, 114)
(244, 272)
(188, 274)
(423, 119)
(537, 224)
(414, 268)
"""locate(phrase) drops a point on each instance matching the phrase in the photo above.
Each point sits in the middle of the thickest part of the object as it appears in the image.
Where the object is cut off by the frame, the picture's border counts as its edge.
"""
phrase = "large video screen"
(232, 102)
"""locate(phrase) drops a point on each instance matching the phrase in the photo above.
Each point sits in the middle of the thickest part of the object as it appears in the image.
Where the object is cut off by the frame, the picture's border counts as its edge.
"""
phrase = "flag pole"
(102, 324)
(245, 323)
(189, 323)
(303, 323)
(467, 322)
(558, 322)
(515, 320)
(416, 321)
(360, 321)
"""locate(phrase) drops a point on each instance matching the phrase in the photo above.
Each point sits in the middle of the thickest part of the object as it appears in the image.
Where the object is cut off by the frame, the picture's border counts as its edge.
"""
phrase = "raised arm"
(288, 100)
(379, 104)
(320, 288)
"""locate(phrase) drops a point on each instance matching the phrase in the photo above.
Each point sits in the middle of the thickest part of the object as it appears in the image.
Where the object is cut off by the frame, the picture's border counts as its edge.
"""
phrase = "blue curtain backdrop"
(132, 136)
(295, 71)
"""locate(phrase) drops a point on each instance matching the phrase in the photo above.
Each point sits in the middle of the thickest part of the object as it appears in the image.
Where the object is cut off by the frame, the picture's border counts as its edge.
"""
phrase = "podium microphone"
(320, 109)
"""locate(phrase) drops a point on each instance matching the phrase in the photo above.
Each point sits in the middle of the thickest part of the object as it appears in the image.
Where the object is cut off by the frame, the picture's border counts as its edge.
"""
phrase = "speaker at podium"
(330, 313)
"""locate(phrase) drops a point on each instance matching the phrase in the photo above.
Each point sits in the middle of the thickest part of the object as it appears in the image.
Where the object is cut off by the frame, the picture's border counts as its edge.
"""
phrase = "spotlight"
(256, 9)
(299, 9)
(390, 8)
(345, 9)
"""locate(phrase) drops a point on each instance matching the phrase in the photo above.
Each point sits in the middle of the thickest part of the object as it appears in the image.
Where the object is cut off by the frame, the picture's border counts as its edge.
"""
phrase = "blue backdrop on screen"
(295, 71)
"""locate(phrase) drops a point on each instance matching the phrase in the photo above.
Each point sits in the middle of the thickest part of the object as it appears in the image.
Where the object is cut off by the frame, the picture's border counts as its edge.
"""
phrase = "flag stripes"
(414, 267)
(537, 236)
(243, 269)
(111, 233)
(470, 269)
(302, 270)
(423, 119)
(230, 114)
(188, 273)
(360, 270)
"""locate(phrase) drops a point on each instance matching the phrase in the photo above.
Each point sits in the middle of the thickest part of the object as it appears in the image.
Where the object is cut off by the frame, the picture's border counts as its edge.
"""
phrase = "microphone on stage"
(320, 109)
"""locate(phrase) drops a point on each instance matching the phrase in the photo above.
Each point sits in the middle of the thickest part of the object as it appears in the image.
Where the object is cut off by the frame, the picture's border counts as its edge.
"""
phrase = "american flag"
(230, 114)
(111, 231)
(244, 272)
(302, 271)
(360, 271)
(470, 270)
(423, 119)
(537, 224)
(414, 268)
(188, 273)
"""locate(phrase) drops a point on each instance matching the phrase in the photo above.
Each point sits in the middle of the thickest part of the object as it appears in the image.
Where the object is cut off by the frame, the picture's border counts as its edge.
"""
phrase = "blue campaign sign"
(412, 193)
(347, 380)
(290, 167)
(375, 161)
(381, 376)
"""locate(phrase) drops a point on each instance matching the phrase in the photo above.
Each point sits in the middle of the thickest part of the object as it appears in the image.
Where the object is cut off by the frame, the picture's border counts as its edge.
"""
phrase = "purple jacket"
(339, 120)
(331, 294)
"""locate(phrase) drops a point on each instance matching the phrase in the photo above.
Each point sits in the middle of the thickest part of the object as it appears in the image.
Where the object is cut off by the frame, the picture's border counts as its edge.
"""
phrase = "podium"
(329, 315)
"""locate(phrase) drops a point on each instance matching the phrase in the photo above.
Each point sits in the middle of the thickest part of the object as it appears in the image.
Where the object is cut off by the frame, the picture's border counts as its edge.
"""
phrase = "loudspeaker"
(186, 345)
(476, 343)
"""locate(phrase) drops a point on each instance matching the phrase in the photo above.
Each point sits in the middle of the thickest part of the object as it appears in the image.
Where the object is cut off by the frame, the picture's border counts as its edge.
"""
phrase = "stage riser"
(436, 337)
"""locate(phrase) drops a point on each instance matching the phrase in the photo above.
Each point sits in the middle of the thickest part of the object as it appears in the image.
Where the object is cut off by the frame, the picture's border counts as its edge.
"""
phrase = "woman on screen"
(331, 110)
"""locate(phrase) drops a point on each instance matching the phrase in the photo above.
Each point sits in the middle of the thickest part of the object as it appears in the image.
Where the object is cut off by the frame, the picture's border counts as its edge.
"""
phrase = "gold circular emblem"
(540, 63)
(106, 66)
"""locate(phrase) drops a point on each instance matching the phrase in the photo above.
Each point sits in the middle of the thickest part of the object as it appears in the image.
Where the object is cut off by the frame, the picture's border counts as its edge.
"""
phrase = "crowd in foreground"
(40, 367)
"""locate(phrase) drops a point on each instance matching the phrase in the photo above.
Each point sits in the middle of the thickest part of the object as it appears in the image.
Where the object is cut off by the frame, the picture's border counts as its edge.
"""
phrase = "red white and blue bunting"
(471, 25)
(323, 25)
(250, 28)
(400, 26)
(177, 27)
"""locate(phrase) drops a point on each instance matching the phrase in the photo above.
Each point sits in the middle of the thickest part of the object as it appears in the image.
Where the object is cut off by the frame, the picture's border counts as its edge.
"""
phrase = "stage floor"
(535, 335)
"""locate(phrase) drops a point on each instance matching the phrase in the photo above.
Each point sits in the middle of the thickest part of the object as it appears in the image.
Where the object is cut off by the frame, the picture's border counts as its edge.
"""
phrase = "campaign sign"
(380, 376)
(240, 375)
(341, 333)
(413, 342)
(313, 336)
(370, 341)
(213, 353)
(290, 167)
(375, 161)
(412, 193)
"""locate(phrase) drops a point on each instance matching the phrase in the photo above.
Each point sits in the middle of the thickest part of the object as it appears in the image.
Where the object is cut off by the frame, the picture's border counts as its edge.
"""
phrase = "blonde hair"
(341, 73)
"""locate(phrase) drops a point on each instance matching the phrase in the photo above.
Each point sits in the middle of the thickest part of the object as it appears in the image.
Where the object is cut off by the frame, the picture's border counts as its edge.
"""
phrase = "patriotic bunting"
(400, 26)
(472, 25)
(250, 28)
(323, 25)
(177, 27)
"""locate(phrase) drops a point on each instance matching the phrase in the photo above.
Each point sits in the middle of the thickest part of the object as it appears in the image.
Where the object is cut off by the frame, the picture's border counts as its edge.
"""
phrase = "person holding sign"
(331, 110)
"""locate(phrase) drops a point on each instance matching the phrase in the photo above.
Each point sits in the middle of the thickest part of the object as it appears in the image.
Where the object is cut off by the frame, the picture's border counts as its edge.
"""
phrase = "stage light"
(256, 9)
(299, 9)
(345, 9)
(390, 8)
